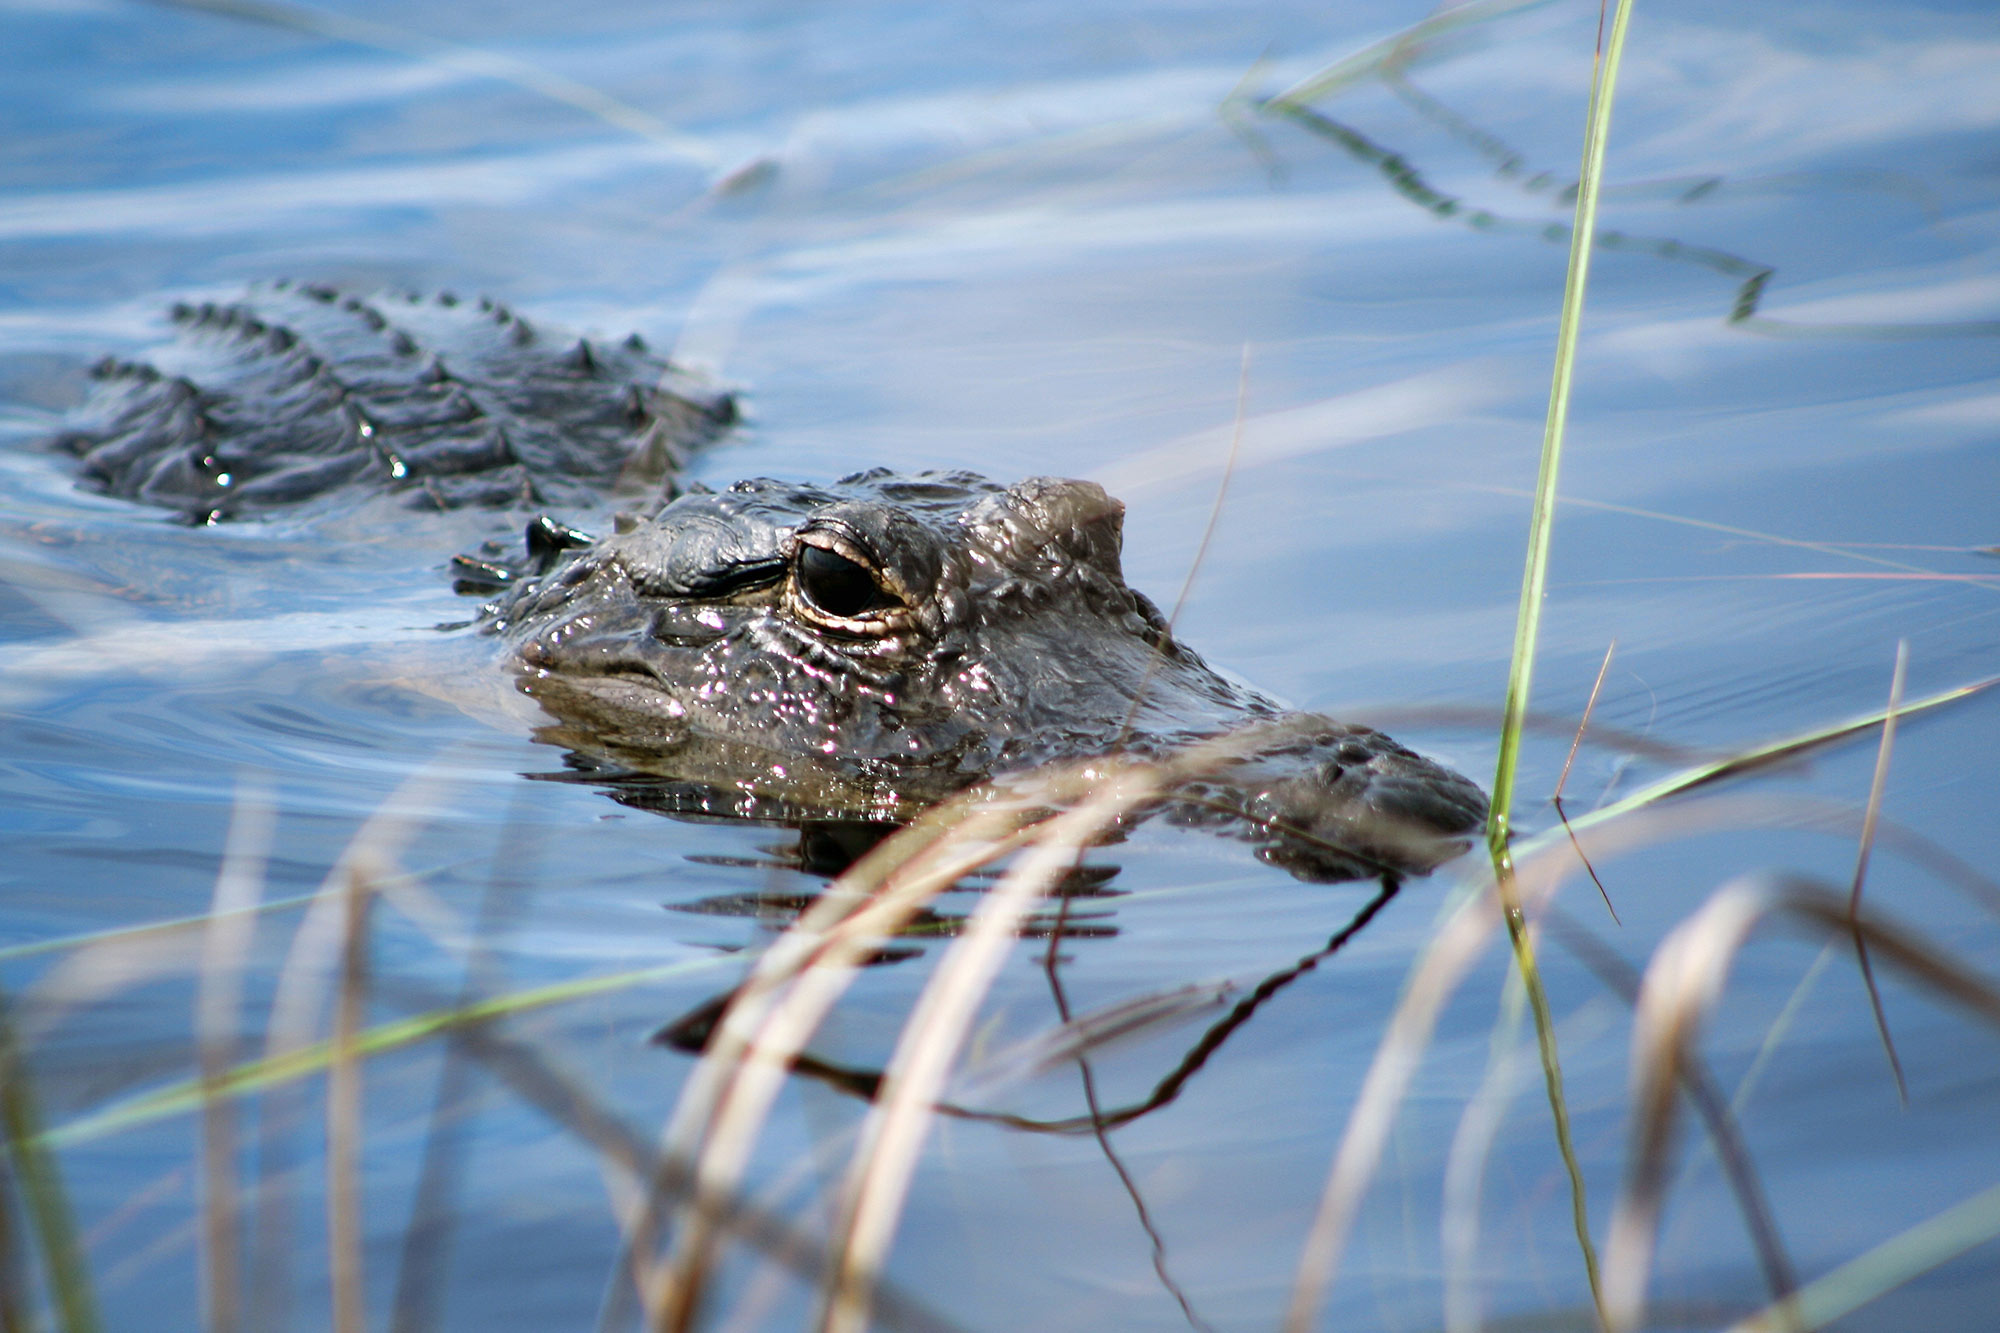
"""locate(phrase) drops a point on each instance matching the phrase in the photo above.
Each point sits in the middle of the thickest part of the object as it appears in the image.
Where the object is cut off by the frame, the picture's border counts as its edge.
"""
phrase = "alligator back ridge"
(297, 390)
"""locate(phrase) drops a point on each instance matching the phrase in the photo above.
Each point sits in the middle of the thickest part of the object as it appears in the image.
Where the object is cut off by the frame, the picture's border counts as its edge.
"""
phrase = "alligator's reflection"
(1074, 1039)
(825, 848)
(1078, 909)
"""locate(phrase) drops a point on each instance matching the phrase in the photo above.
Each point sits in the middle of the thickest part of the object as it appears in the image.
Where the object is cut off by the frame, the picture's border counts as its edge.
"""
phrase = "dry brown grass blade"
(884, 1163)
(313, 966)
(1718, 1117)
(343, 1113)
(1682, 986)
(427, 1241)
(1562, 780)
(1465, 1162)
(14, 1279)
(1214, 515)
(535, 1076)
(796, 982)
(1449, 956)
(1583, 723)
(1195, 563)
(1876, 786)
(100, 969)
(218, 1003)
(1539, 870)
(1078, 1036)
(778, 1007)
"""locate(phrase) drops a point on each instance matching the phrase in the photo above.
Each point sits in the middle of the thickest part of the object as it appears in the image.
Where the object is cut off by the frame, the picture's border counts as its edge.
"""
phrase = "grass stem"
(34, 1169)
(218, 1013)
(1876, 787)
(343, 1113)
(1527, 629)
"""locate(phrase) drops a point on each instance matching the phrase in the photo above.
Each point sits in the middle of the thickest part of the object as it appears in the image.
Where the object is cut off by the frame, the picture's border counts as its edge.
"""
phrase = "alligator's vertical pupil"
(836, 585)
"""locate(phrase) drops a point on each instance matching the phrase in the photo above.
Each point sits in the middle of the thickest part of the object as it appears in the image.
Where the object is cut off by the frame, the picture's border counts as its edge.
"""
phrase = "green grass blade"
(1527, 628)
(1975, 1221)
(1767, 755)
(1534, 580)
(62, 943)
(477, 61)
(1364, 63)
(190, 1095)
(40, 1182)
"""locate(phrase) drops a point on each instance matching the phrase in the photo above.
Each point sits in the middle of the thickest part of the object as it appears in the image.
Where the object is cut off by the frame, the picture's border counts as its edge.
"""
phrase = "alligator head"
(867, 648)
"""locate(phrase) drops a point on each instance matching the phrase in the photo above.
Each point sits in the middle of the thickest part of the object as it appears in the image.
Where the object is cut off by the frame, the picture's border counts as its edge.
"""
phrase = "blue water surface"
(1034, 239)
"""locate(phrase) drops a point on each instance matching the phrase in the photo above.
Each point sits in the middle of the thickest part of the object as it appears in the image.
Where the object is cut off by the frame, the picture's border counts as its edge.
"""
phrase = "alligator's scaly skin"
(869, 647)
(298, 390)
(857, 650)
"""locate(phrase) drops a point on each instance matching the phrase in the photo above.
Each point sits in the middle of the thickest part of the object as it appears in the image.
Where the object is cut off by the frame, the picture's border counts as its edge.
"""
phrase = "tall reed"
(1527, 626)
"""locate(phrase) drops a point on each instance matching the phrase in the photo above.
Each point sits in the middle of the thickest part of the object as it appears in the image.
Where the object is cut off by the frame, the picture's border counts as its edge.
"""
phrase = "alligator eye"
(835, 586)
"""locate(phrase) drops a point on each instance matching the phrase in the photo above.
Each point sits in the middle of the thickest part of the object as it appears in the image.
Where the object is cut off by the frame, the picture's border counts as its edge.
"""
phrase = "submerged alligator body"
(298, 390)
(869, 647)
(850, 651)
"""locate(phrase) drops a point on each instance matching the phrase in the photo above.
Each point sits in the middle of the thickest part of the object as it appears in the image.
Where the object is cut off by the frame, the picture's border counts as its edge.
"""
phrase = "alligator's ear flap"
(1078, 518)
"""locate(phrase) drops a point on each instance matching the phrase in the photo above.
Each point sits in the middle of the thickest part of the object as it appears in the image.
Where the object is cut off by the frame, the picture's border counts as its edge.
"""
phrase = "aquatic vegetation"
(993, 1069)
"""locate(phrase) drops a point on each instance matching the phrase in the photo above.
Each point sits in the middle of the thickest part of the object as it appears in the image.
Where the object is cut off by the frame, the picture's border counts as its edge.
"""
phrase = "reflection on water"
(1028, 240)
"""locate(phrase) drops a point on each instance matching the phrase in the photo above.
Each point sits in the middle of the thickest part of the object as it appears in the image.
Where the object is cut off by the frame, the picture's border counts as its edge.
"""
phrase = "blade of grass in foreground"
(218, 1012)
(343, 1111)
(476, 61)
(1683, 985)
(1976, 1221)
(1758, 757)
(46, 1205)
(203, 921)
(1365, 63)
(256, 1075)
(1527, 627)
(1321, 1254)
(1449, 955)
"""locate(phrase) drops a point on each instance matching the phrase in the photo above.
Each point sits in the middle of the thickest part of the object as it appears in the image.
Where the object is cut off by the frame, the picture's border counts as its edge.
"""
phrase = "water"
(1024, 240)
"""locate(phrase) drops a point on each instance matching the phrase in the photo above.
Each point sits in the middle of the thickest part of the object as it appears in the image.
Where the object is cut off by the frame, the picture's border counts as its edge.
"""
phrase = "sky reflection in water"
(1025, 241)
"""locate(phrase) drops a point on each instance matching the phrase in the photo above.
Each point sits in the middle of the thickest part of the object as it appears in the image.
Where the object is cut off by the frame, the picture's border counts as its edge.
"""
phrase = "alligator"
(855, 651)
(301, 390)
(869, 647)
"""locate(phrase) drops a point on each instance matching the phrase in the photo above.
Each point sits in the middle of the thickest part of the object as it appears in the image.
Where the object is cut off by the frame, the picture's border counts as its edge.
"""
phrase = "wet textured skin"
(298, 390)
(866, 648)
(847, 652)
